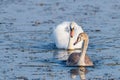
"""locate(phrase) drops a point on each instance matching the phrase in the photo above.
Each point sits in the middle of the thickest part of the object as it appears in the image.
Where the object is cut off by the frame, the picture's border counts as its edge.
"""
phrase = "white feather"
(61, 35)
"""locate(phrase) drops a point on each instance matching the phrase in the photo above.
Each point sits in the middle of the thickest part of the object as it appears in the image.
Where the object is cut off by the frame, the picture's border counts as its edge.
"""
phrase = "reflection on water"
(64, 54)
(74, 72)
(79, 71)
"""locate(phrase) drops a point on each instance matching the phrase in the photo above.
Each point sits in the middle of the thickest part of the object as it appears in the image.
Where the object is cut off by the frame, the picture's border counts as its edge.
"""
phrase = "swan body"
(62, 35)
(80, 59)
(74, 60)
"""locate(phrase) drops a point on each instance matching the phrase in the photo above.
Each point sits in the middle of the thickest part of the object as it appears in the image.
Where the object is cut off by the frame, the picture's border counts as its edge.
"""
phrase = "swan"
(80, 59)
(65, 35)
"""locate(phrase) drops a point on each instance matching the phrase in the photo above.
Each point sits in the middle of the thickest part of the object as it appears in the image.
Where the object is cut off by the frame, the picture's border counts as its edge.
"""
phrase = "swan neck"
(85, 46)
(70, 43)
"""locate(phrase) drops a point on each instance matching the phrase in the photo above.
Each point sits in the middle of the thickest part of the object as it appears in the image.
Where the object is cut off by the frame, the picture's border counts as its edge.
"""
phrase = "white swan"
(65, 35)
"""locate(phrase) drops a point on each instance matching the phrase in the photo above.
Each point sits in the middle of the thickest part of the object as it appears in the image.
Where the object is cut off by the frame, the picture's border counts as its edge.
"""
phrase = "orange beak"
(72, 33)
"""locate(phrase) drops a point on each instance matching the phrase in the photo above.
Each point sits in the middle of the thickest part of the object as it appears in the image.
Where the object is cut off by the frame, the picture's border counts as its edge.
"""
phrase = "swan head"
(81, 36)
(72, 28)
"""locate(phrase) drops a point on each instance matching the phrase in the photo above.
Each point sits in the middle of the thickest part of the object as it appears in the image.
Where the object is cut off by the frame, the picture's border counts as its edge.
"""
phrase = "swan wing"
(61, 35)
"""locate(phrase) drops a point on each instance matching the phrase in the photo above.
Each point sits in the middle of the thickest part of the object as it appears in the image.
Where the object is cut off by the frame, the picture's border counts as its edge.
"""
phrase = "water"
(29, 53)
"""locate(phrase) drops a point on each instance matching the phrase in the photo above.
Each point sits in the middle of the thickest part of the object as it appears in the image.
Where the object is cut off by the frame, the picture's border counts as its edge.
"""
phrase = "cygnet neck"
(85, 46)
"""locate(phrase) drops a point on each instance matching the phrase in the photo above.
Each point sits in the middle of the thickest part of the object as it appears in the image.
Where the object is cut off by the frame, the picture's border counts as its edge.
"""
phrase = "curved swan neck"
(85, 45)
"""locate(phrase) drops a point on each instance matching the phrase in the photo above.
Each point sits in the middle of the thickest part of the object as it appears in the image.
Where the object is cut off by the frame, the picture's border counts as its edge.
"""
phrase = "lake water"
(27, 48)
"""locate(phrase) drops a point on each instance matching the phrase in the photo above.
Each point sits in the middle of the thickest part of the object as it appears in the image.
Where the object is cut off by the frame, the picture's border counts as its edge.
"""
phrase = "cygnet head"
(81, 36)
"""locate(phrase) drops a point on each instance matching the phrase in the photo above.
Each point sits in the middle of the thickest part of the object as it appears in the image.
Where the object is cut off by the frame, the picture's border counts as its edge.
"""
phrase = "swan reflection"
(63, 54)
(80, 71)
